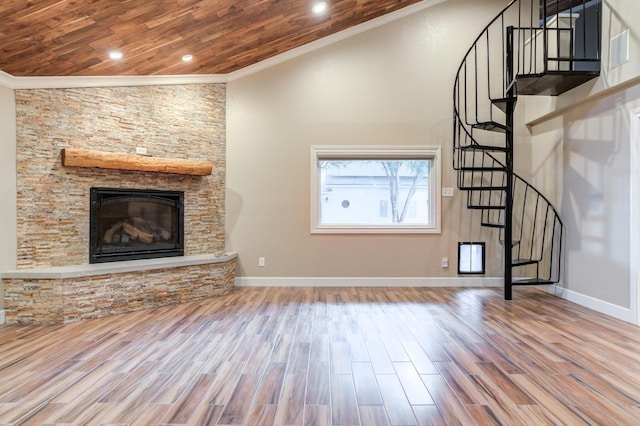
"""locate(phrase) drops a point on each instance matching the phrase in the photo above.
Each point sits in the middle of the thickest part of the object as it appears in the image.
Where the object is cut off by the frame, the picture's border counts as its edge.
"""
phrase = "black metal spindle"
(475, 86)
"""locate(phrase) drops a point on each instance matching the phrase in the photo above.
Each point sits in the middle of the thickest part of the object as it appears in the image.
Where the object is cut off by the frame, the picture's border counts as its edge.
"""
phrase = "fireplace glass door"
(128, 224)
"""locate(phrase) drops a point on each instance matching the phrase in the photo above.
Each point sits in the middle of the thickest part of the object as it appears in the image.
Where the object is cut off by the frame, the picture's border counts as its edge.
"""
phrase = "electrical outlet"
(445, 262)
(447, 192)
(261, 261)
(140, 150)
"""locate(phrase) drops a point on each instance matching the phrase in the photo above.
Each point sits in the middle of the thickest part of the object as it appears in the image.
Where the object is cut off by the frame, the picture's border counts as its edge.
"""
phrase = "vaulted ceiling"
(74, 37)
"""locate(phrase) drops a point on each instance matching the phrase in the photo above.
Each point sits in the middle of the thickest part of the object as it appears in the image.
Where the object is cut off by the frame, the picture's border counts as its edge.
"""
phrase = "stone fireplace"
(54, 280)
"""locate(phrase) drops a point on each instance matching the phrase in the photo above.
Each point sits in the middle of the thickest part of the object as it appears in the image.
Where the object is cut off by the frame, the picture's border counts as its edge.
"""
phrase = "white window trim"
(373, 152)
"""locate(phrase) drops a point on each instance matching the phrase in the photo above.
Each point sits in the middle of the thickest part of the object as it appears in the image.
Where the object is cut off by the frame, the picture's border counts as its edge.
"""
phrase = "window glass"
(370, 190)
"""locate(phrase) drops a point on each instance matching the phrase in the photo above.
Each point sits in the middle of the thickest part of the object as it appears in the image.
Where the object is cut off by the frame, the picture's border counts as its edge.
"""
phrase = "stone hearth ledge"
(66, 294)
(94, 269)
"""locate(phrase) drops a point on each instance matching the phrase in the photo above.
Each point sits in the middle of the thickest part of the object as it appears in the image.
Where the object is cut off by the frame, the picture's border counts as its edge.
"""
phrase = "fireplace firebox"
(128, 224)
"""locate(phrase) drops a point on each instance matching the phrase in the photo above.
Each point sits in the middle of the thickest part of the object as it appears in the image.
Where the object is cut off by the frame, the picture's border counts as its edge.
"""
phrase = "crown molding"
(106, 81)
(6, 80)
(333, 38)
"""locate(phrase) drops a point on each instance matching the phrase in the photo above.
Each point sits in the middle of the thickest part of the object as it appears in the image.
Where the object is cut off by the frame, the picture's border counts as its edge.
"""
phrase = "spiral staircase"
(531, 48)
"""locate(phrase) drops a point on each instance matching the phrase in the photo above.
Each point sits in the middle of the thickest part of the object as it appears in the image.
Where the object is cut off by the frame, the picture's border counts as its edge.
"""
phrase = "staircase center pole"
(508, 207)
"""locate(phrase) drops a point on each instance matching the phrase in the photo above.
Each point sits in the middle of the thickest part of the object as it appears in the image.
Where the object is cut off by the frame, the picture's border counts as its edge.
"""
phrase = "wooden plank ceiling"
(73, 37)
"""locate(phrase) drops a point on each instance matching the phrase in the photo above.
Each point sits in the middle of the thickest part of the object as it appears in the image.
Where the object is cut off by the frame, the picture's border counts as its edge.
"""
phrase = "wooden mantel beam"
(72, 157)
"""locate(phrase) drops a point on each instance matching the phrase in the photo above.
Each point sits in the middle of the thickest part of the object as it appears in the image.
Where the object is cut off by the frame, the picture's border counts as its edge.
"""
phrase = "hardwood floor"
(329, 356)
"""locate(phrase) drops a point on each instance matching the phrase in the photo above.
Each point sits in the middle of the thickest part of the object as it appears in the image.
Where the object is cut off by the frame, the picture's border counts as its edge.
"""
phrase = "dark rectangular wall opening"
(128, 224)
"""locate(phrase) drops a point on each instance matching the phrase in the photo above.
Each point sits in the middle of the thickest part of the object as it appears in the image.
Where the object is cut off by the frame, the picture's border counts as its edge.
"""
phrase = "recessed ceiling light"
(115, 55)
(319, 7)
(187, 58)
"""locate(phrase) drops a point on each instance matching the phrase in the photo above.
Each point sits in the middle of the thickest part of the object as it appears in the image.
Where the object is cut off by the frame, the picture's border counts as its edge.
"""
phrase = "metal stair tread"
(483, 169)
(483, 188)
(531, 281)
(501, 103)
(491, 126)
(523, 262)
(476, 207)
(492, 225)
(552, 83)
(483, 148)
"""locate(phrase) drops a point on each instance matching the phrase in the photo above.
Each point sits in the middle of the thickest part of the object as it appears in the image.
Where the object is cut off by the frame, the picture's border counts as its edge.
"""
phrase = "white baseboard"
(615, 311)
(2, 316)
(367, 282)
(603, 307)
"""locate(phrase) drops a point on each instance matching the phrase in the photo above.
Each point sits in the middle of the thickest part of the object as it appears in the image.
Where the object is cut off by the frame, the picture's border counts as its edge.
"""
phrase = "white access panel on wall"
(619, 50)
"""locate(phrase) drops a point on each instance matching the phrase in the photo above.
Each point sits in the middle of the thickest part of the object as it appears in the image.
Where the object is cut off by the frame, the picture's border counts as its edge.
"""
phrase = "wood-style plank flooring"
(329, 356)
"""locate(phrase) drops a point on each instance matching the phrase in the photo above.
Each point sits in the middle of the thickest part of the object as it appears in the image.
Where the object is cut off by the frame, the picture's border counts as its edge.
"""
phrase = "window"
(375, 190)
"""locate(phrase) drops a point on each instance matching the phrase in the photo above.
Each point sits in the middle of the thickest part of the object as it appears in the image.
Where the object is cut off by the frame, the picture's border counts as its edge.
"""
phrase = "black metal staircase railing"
(524, 50)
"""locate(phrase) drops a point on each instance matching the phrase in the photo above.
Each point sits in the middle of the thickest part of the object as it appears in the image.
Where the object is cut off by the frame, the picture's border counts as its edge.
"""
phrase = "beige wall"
(389, 86)
(7, 181)
(582, 152)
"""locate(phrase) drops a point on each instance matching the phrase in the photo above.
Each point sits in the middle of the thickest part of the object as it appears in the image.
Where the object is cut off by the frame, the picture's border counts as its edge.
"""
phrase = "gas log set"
(135, 229)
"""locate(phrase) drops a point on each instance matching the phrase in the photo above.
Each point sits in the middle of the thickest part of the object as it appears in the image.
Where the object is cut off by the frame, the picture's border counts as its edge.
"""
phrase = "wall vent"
(619, 51)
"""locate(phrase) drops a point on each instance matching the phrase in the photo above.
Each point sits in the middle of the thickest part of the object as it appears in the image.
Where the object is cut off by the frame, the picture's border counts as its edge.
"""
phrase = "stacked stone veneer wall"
(181, 121)
(55, 301)
(178, 121)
